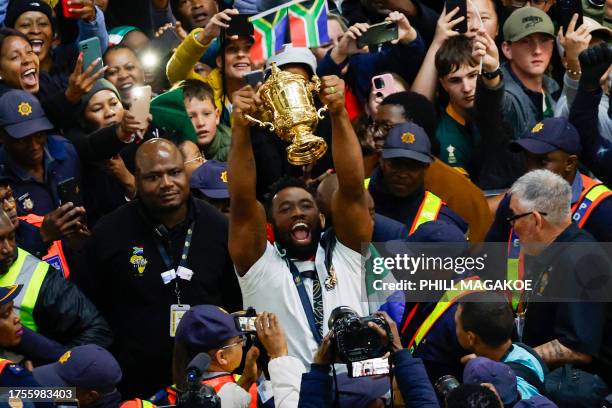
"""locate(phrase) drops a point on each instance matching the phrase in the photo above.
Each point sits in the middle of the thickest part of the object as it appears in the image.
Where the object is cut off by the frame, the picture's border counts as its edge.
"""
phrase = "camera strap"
(316, 325)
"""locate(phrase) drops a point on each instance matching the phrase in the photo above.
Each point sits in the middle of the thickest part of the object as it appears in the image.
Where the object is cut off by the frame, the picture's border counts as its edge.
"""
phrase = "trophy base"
(308, 149)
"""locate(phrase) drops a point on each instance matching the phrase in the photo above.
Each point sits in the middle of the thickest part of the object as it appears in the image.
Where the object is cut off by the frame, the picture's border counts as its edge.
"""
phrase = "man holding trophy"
(305, 274)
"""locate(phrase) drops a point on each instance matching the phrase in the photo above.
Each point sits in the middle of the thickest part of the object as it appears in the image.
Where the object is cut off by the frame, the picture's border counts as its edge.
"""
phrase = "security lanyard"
(306, 305)
(182, 262)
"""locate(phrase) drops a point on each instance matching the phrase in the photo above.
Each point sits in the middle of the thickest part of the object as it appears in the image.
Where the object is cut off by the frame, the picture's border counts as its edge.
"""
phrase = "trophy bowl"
(289, 106)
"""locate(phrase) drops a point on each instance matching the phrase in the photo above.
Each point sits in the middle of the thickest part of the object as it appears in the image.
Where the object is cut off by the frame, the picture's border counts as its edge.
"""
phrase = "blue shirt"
(32, 196)
(518, 354)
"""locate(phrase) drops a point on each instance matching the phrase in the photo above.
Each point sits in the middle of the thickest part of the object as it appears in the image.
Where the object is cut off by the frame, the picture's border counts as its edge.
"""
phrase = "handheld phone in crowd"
(567, 9)
(245, 324)
(462, 27)
(66, 12)
(240, 26)
(254, 77)
(384, 85)
(69, 192)
(91, 51)
(365, 368)
(378, 34)
(139, 104)
(165, 43)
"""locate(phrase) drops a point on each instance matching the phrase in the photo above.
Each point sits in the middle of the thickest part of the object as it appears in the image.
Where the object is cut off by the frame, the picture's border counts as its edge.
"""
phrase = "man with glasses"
(397, 186)
(558, 269)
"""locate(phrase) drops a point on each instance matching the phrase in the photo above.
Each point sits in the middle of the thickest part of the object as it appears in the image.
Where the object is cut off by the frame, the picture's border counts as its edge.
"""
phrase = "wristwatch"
(492, 74)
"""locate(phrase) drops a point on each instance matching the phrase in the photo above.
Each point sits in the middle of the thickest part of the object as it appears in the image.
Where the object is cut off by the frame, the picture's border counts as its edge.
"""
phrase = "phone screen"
(241, 26)
(254, 77)
(378, 34)
(365, 368)
(245, 324)
(462, 27)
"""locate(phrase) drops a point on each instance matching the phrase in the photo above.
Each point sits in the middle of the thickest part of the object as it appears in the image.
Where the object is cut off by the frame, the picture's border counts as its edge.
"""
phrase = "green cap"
(169, 114)
(526, 21)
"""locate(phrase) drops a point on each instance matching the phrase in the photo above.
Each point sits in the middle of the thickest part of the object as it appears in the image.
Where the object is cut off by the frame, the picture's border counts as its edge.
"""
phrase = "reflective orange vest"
(218, 382)
(55, 255)
(593, 193)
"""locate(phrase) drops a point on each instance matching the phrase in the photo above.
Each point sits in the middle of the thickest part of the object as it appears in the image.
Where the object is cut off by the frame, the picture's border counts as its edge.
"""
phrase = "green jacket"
(218, 149)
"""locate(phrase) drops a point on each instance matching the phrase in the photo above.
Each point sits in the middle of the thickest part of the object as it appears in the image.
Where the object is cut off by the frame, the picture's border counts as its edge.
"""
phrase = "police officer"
(209, 182)
(34, 162)
(90, 369)
(554, 144)
(397, 186)
(48, 303)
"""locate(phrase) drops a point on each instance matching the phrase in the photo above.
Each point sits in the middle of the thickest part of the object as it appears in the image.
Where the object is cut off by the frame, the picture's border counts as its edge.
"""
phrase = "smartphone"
(165, 43)
(241, 26)
(254, 77)
(69, 192)
(245, 324)
(378, 34)
(65, 7)
(91, 51)
(140, 102)
(365, 368)
(384, 85)
(462, 27)
(567, 9)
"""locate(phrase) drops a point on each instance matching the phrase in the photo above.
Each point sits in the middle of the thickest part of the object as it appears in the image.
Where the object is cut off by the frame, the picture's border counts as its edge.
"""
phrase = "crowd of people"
(131, 248)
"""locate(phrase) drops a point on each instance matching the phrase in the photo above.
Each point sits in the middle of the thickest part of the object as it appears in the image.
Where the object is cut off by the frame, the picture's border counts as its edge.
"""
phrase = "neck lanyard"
(315, 328)
(182, 262)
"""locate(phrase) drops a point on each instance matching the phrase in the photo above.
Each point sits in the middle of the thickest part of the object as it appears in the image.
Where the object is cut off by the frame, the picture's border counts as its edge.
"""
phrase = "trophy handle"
(260, 123)
(320, 112)
(315, 84)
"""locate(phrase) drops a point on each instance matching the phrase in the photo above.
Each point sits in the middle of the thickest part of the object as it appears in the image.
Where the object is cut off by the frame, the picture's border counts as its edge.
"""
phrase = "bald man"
(150, 260)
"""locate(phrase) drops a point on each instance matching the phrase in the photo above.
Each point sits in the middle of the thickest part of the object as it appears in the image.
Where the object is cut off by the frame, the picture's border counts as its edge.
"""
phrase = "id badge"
(176, 314)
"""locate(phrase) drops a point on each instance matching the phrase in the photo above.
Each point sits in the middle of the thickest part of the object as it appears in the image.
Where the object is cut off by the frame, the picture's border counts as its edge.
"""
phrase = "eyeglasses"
(242, 342)
(515, 217)
(197, 158)
(521, 3)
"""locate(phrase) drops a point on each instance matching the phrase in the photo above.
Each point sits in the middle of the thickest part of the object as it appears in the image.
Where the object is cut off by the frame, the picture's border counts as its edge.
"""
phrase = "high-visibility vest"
(3, 363)
(29, 271)
(593, 193)
(428, 211)
(447, 300)
(218, 382)
(136, 403)
(55, 255)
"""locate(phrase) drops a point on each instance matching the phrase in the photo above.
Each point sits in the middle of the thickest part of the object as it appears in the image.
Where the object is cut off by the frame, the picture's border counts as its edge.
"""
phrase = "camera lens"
(445, 385)
(597, 3)
(379, 83)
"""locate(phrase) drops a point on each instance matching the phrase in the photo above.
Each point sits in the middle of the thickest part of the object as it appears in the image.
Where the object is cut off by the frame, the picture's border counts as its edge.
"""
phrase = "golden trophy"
(289, 106)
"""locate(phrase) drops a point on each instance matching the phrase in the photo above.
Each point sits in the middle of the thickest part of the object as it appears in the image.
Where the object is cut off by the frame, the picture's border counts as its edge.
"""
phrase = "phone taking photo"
(69, 192)
(91, 51)
(567, 9)
(461, 27)
(254, 77)
(384, 85)
(66, 9)
(379, 34)
(140, 103)
(245, 324)
(240, 26)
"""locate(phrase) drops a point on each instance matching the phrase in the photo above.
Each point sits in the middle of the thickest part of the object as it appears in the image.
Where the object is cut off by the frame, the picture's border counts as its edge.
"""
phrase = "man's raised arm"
(352, 219)
(247, 227)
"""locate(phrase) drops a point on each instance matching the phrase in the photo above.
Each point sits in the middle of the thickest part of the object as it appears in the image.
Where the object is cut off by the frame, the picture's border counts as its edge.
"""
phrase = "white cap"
(294, 55)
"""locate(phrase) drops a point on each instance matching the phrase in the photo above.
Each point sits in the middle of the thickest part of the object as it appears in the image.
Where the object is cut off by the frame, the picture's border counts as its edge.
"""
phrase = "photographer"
(409, 372)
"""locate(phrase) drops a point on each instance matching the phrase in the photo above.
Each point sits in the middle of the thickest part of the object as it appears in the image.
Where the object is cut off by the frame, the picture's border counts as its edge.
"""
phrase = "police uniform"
(409, 141)
(21, 115)
(87, 367)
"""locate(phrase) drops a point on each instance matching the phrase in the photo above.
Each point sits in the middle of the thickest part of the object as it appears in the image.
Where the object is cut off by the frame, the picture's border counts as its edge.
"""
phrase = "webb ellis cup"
(289, 111)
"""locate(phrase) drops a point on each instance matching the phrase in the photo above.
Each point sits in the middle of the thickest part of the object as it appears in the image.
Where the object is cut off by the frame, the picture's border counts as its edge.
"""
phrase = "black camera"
(198, 395)
(445, 385)
(354, 339)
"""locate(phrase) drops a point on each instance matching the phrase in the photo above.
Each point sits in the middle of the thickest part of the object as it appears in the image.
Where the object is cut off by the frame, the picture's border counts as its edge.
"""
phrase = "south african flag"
(308, 23)
(271, 32)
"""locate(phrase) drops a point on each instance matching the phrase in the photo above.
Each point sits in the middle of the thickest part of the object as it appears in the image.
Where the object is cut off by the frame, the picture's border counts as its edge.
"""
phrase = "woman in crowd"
(124, 70)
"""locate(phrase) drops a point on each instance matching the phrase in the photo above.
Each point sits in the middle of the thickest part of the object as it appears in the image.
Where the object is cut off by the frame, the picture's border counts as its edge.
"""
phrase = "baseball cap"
(526, 21)
(117, 34)
(21, 114)
(483, 370)
(549, 135)
(211, 179)
(8, 293)
(205, 327)
(407, 140)
(89, 366)
(593, 26)
(294, 55)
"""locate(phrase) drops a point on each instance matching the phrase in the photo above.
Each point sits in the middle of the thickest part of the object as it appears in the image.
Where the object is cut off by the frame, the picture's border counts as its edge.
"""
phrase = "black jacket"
(137, 303)
(64, 314)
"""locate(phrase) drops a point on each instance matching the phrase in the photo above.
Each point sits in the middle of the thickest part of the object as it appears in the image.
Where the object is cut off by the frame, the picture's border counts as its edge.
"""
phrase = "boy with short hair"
(484, 322)
(458, 73)
(189, 111)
